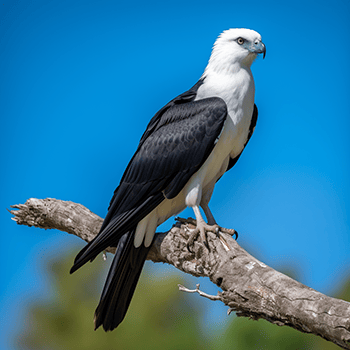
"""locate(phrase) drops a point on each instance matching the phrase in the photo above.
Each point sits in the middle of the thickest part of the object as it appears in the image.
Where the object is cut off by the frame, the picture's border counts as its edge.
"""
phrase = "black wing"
(173, 147)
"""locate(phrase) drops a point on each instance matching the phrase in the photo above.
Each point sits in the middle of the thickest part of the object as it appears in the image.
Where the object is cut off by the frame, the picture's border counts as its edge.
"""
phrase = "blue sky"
(80, 81)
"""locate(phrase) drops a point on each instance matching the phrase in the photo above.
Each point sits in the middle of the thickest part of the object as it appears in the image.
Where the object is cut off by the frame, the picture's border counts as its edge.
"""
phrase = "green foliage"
(262, 335)
(160, 317)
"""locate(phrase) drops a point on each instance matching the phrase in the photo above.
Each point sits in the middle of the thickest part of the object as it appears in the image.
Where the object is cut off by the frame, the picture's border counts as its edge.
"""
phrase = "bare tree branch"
(249, 287)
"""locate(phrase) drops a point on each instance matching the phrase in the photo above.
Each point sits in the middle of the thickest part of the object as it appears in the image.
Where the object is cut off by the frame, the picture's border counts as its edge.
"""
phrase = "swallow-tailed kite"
(187, 146)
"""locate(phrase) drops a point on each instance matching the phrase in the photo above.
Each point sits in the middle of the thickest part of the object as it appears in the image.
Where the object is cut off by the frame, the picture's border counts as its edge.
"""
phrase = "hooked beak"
(259, 47)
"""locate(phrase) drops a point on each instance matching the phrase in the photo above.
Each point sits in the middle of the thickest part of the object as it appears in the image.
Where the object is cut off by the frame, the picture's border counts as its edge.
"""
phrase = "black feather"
(121, 283)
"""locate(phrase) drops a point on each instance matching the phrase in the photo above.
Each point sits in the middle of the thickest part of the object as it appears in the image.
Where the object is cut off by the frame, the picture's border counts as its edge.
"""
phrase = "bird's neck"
(235, 87)
(217, 66)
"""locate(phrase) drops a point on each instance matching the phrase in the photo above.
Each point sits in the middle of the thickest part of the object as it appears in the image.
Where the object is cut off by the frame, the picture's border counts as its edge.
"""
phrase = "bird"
(186, 148)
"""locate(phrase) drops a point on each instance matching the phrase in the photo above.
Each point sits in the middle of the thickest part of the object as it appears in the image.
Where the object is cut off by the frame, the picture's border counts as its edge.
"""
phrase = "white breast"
(237, 90)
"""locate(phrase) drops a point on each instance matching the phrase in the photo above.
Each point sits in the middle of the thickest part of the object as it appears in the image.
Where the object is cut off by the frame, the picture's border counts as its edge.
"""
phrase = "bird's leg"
(208, 213)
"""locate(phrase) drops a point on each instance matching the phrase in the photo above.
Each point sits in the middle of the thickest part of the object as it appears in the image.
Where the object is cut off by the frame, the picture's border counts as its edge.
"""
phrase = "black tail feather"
(120, 283)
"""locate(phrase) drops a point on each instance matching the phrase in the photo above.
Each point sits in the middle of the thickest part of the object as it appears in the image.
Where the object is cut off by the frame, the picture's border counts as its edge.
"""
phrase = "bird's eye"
(240, 41)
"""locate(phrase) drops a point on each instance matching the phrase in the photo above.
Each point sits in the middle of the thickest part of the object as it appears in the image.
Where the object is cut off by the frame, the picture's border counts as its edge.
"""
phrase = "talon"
(235, 234)
(229, 231)
(188, 247)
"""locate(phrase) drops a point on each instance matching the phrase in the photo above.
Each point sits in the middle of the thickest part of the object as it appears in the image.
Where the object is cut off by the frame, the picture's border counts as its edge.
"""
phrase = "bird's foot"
(201, 230)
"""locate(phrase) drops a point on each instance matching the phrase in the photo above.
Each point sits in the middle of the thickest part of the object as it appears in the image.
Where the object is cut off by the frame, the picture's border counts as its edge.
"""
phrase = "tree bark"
(249, 287)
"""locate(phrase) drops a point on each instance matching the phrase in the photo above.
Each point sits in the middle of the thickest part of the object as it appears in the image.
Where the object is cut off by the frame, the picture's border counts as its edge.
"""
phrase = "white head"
(234, 49)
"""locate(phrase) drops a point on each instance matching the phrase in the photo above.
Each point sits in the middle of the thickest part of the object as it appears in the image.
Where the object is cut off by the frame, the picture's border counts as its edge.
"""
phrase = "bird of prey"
(187, 146)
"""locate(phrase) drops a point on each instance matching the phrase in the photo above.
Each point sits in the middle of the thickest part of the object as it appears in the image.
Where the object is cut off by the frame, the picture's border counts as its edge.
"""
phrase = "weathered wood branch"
(249, 287)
